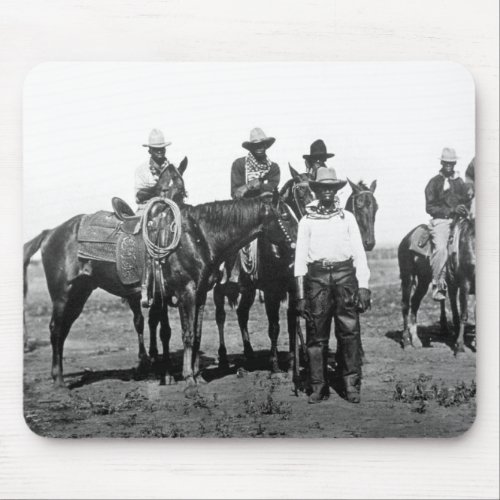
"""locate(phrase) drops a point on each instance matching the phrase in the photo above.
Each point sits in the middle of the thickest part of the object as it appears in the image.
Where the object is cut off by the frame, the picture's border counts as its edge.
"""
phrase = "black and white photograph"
(249, 250)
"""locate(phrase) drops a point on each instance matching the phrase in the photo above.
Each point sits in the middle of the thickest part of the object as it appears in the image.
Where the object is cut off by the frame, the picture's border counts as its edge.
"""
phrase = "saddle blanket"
(420, 241)
(101, 238)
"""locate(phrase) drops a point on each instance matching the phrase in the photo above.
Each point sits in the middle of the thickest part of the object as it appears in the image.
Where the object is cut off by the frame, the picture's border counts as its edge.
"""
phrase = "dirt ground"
(426, 392)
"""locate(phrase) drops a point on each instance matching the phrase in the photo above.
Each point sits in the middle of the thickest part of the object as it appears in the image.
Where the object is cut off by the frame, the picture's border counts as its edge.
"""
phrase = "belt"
(328, 265)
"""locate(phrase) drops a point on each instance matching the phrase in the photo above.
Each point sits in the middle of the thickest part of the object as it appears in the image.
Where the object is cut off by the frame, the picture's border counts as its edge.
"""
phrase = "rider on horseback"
(146, 177)
(317, 157)
(446, 196)
(253, 175)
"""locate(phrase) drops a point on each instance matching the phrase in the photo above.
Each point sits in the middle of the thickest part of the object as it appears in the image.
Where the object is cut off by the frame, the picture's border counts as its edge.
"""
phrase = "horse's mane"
(224, 213)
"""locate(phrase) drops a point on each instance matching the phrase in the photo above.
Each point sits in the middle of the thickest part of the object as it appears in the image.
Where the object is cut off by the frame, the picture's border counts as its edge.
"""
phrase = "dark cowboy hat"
(318, 149)
(258, 137)
(327, 177)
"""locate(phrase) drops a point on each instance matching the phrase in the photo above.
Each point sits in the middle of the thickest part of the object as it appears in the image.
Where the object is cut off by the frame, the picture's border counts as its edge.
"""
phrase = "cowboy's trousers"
(440, 233)
(331, 293)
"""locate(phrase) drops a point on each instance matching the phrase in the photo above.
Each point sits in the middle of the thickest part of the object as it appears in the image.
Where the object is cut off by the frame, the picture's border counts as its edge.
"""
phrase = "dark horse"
(210, 232)
(416, 276)
(59, 256)
(276, 273)
(275, 279)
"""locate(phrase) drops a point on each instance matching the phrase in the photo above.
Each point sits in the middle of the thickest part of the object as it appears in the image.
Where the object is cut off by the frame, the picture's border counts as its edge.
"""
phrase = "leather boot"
(352, 388)
(317, 367)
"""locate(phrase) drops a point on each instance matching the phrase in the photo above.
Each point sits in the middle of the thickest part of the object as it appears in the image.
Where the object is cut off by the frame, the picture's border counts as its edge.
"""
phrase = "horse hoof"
(191, 391)
(459, 348)
(248, 352)
(275, 367)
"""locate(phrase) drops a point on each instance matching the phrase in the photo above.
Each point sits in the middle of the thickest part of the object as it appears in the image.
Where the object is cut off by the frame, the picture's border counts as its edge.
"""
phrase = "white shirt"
(144, 178)
(336, 239)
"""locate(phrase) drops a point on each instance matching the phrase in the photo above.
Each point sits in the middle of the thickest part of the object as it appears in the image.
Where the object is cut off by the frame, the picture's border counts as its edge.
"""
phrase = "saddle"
(114, 237)
(420, 241)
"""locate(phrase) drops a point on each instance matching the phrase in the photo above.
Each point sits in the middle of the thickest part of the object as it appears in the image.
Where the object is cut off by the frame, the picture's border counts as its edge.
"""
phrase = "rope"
(155, 251)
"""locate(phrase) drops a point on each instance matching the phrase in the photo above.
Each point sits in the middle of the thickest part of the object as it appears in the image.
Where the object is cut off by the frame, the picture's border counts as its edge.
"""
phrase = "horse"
(59, 256)
(416, 276)
(275, 280)
(210, 232)
(276, 277)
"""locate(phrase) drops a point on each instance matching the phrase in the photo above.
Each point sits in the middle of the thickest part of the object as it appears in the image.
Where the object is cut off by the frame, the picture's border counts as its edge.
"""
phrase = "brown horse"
(276, 277)
(416, 276)
(210, 232)
(59, 256)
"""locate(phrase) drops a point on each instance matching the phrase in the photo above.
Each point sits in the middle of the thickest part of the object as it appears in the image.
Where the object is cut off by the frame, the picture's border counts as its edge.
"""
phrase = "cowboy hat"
(258, 137)
(318, 149)
(156, 140)
(327, 177)
(449, 155)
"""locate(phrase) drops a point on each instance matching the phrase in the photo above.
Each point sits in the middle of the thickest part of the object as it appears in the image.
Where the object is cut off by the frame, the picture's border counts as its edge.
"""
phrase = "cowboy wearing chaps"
(332, 274)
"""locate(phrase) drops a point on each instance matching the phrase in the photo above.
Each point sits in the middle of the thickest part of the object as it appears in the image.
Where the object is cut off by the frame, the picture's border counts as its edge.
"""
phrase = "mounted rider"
(332, 275)
(446, 196)
(148, 173)
(317, 157)
(253, 175)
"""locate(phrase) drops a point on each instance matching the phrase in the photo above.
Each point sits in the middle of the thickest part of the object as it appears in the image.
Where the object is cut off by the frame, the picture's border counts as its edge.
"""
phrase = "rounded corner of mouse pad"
(382, 242)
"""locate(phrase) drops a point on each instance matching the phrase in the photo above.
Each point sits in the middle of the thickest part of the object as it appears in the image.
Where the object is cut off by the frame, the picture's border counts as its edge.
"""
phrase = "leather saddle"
(420, 240)
(130, 221)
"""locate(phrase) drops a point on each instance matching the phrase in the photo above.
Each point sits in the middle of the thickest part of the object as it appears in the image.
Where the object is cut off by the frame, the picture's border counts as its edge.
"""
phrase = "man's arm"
(434, 205)
(302, 248)
(237, 176)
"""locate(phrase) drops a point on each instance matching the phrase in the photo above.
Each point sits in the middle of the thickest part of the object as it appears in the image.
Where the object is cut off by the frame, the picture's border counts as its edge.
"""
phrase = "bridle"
(296, 199)
(355, 195)
(277, 213)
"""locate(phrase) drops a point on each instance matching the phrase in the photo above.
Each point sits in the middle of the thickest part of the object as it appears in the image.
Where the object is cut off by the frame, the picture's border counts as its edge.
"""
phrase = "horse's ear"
(294, 173)
(355, 188)
(373, 186)
(183, 165)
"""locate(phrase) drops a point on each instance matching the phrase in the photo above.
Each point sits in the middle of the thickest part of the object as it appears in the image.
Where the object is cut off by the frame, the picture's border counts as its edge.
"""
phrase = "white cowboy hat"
(327, 177)
(449, 155)
(257, 137)
(156, 140)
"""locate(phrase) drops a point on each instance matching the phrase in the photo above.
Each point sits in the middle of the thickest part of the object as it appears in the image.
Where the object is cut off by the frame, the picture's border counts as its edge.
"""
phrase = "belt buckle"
(326, 264)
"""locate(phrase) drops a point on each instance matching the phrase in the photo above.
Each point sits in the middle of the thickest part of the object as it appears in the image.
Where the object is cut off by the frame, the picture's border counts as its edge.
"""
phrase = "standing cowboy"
(445, 197)
(332, 276)
(148, 173)
(253, 175)
(317, 157)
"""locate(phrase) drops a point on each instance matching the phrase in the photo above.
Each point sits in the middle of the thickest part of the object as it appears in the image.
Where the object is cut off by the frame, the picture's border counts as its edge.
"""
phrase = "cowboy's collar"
(155, 168)
(265, 161)
(452, 176)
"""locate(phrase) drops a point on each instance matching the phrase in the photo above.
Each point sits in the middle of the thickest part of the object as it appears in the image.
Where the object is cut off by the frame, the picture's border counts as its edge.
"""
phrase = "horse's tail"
(29, 249)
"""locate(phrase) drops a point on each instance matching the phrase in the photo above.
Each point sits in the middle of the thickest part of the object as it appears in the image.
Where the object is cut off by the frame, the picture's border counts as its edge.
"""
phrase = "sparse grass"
(422, 390)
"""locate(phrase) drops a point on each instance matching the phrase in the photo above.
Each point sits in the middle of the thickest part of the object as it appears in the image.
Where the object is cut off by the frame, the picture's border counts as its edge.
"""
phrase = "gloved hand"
(240, 192)
(254, 184)
(364, 300)
(462, 210)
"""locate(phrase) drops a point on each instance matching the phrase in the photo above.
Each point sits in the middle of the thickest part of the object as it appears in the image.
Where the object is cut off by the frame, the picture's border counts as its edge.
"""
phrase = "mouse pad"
(249, 250)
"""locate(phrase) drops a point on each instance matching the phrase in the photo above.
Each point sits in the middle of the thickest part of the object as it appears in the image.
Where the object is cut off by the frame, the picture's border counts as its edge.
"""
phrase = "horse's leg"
(66, 308)
(165, 335)
(464, 316)
(406, 286)
(154, 318)
(134, 302)
(187, 316)
(246, 301)
(443, 320)
(416, 299)
(272, 305)
(291, 319)
(198, 324)
(220, 318)
(452, 294)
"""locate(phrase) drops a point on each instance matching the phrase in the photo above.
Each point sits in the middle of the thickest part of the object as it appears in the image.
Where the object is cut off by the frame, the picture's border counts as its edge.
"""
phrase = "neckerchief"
(156, 169)
(316, 211)
(447, 184)
(255, 169)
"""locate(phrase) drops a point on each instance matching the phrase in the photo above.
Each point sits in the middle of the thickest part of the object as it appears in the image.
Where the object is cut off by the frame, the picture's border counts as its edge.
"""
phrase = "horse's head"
(363, 205)
(296, 192)
(171, 182)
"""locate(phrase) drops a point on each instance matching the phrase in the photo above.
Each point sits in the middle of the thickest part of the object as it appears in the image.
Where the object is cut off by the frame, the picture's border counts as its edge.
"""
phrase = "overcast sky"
(84, 124)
